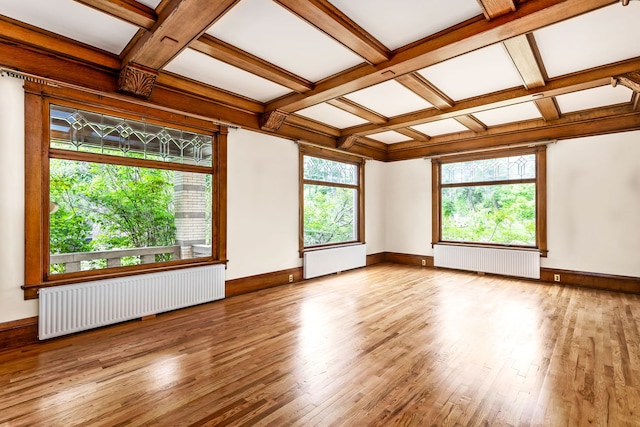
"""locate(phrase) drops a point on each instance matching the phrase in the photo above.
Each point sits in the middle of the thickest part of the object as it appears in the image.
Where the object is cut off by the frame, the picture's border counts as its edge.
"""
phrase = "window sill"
(329, 246)
(543, 253)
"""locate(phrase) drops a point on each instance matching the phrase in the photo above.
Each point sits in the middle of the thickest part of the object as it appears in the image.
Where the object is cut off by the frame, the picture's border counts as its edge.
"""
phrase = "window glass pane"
(329, 171)
(110, 215)
(78, 130)
(501, 214)
(496, 169)
(329, 214)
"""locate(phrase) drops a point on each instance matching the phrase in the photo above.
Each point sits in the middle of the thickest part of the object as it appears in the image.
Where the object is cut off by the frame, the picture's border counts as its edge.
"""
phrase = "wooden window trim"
(541, 196)
(339, 157)
(38, 97)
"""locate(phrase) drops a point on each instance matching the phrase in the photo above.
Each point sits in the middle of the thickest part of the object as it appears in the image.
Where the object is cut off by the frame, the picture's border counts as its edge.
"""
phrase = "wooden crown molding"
(136, 80)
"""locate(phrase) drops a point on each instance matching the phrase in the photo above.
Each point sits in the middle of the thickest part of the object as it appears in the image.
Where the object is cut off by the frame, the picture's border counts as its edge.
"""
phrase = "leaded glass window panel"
(318, 169)
(84, 131)
(487, 170)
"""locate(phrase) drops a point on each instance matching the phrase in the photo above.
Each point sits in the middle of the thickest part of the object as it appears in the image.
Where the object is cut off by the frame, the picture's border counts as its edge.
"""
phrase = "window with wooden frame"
(331, 198)
(495, 199)
(111, 192)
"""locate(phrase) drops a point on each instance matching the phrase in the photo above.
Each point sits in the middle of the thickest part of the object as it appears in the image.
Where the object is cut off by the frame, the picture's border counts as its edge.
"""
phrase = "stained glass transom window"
(77, 130)
(488, 170)
(317, 169)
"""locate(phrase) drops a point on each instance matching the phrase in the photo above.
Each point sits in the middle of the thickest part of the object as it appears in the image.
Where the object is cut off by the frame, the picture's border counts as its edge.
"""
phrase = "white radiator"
(519, 263)
(326, 261)
(72, 308)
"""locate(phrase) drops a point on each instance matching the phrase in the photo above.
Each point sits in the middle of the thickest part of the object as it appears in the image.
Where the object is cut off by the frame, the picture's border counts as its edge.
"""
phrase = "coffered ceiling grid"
(407, 73)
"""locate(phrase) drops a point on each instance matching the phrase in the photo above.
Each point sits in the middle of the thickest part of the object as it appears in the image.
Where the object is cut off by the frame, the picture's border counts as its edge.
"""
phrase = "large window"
(111, 193)
(496, 200)
(332, 199)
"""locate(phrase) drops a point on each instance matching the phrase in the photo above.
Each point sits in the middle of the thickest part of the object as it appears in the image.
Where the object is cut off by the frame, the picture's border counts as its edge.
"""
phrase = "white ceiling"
(331, 115)
(389, 137)
(69, 18)
(389, 99)
(592, 98)
(509, 114)
(440, 127)
(400, 22)
(476, 73)
(265, 29)
(604, 36)
(296, 48)
(200, 67)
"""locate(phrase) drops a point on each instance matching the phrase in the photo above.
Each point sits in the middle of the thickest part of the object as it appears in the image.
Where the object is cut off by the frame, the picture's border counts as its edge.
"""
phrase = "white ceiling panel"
(206, 69)
(71, 19)
(331, 116)
(509, 114)
(592, 98)
(153, 4)
(441, 127)
(400, 22)
(604, 36)
(476, 73)
(389, 99)
(267, 30)
(389, 137)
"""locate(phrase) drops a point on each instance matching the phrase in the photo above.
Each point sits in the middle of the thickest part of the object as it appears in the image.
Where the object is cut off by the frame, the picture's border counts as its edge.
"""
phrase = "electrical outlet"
(556, 277)
(290, 278)
(424, 262)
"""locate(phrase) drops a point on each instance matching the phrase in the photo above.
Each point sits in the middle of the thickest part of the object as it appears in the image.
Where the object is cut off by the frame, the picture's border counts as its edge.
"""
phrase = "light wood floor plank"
(385, 345)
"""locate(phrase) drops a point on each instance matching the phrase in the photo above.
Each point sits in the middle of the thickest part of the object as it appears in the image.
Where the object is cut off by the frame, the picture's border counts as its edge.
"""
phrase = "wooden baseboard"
(408, 259)
(607, 282)
(261, 281)
(18, 333)
(375, 258)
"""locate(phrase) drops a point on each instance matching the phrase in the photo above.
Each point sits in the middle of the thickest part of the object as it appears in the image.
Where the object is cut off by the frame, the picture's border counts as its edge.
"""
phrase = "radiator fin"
(73, 308)
(518, 263)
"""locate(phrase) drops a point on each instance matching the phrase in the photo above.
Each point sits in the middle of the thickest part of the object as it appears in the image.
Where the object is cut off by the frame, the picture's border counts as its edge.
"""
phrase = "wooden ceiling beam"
(422, 87)
(521, 51)
(231, 55)
(330, 20)
(476, 34)
(471, 122)
(573, 125)
(548, 108)
(307, 123)
(494, 8)
(414, 134)
(595, 77)
(128, 10)
(180, 22)
(27, 35)
(358, 110)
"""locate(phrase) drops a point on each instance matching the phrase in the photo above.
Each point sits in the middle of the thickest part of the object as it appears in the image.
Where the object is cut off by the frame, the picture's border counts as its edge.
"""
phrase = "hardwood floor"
(386, 345)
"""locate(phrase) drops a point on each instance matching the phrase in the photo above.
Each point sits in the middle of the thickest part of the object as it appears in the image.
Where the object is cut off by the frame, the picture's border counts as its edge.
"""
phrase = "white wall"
(262, 209)
(12, 304)
(374, 210)
(408, 207)
(262, 232)
(594, 204)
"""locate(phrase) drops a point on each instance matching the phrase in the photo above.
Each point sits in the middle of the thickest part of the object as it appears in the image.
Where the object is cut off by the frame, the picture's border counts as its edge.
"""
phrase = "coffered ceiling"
(386, 79)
